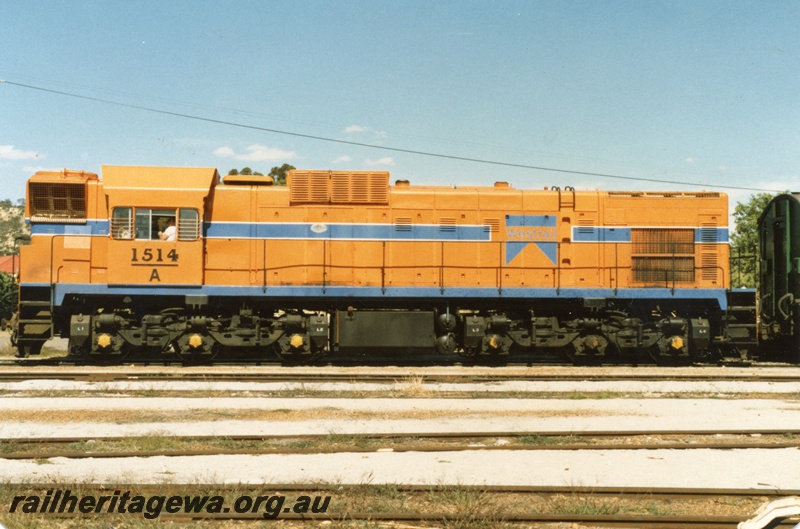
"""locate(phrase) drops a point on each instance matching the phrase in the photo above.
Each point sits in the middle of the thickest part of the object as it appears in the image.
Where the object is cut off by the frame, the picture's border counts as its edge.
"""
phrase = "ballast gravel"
(426, 416)
(755, 469)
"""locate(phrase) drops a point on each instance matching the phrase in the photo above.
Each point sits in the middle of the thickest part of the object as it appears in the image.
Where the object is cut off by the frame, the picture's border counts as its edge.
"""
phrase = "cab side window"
(122, 223)
(148, 224)
(188, 224)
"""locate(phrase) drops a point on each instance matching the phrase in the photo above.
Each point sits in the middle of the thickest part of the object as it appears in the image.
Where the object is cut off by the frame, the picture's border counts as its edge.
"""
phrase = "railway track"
(25, 448)
(599, 520)
(442, 436)
(321, 375)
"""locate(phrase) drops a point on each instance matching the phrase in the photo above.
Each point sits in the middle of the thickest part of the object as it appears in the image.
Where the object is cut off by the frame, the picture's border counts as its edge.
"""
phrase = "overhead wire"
(378, 147)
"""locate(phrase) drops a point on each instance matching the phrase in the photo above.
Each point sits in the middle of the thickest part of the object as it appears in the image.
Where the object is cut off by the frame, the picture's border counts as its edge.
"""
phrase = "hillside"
(12, 224)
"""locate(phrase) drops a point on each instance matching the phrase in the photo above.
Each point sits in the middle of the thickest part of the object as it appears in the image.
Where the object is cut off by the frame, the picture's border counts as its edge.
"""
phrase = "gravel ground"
(750, 469)
(647, 388)
(118, 412)
(415, 416)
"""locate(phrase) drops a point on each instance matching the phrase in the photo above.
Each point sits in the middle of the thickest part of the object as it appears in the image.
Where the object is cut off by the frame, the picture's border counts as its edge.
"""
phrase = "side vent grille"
(447, 224)
(402, 224)
(585, 229)
(708, 252)
(57, 202)
(491, 225)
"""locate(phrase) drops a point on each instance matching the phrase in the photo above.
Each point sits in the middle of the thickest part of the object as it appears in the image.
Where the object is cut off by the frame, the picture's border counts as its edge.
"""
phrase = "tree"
(744, 240)
(245, 171)
(280, 173)
(9, 293)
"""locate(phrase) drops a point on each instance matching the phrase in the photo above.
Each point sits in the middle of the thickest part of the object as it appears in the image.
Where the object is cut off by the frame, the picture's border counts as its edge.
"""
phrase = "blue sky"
(684, 91)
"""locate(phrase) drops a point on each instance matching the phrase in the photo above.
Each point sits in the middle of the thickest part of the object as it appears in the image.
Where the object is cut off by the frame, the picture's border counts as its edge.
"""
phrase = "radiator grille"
(662, 241)
(663, 269)
(663, 255)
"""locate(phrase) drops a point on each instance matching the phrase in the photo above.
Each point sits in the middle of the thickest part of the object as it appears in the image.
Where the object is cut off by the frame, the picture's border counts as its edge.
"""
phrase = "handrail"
(327, 265)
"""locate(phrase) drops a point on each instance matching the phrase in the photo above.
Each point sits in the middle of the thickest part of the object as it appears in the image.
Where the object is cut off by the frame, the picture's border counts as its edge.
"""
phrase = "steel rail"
(385, 378)
(74, 454)
(403, 445)
(642, 521)
(659, 492)
(416, 435)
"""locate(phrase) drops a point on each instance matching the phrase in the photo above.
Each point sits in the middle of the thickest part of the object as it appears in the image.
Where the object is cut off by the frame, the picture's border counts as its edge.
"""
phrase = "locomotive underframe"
(586, 331)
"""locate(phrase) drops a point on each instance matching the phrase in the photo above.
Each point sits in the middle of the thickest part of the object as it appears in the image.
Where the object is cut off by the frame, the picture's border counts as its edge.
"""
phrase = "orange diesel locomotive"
(345, 261)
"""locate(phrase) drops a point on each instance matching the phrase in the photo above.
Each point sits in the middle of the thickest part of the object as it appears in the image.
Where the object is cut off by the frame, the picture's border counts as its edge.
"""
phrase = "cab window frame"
(144, 223)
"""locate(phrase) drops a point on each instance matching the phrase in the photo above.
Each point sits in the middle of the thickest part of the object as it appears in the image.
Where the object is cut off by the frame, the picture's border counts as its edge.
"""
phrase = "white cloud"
(342, 159)
(261, 153)
(382, 161)
(8, 152)
(355, 128)
(224, 152)
(256, 153)
(689, 159)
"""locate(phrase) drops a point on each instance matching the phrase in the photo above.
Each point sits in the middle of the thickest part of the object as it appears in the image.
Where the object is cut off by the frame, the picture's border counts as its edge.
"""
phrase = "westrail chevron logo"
(522, 230)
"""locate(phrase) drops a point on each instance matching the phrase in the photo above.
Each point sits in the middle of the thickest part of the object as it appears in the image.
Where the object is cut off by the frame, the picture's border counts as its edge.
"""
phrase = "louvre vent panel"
(491, 225)
(585, 227)
(708, 252)
(447, 224)
(402, 224)
(336, 187)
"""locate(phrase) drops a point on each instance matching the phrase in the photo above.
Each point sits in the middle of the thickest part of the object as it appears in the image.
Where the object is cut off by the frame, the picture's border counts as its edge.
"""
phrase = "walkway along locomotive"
(345, 261)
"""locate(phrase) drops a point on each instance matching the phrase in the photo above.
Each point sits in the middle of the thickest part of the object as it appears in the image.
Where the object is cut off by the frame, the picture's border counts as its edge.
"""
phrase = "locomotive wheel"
(196, 349)
(101, 358)
(294, 349)
(589, 350)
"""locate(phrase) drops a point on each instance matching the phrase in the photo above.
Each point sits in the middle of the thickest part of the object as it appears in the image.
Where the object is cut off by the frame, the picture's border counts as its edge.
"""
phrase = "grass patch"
(135, 416)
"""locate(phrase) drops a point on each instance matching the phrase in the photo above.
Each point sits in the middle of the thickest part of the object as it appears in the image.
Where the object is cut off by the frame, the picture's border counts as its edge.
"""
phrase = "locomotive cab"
(156, 238)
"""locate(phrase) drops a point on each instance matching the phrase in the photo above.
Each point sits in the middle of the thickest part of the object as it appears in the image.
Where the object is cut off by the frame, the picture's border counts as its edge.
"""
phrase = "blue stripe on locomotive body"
(386, 232)
(365, 232)
(715, 295)
(92, 227)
